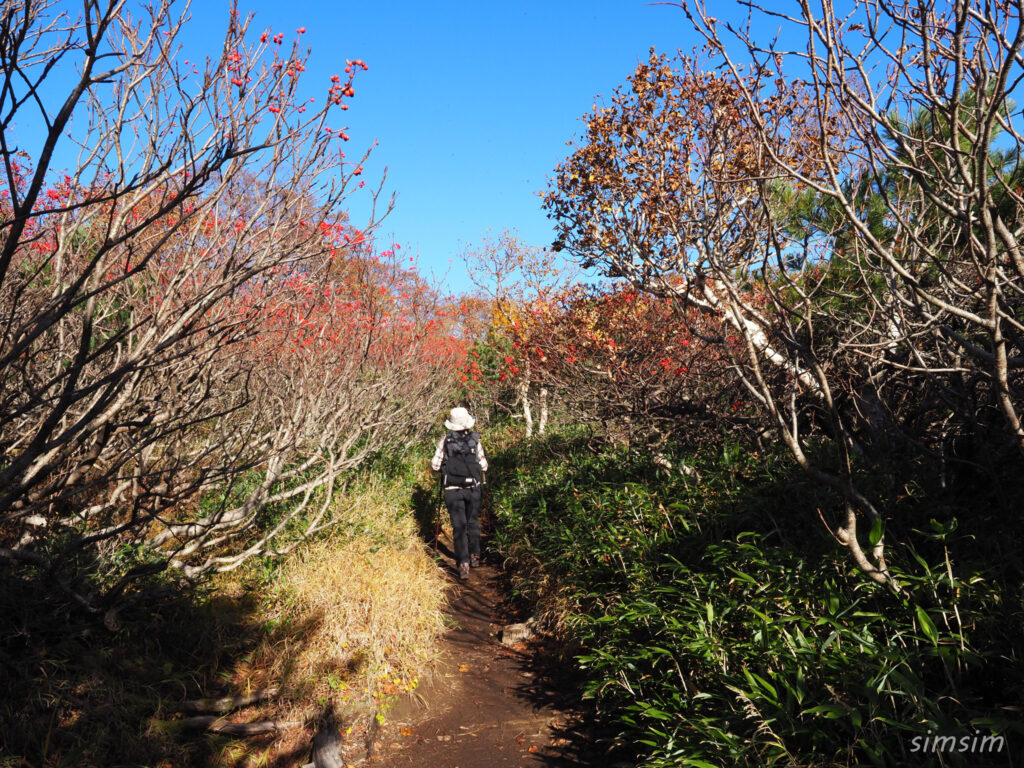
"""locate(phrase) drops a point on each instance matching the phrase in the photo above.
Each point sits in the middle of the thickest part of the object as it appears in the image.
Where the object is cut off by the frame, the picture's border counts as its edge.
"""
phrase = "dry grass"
(346, 622)
(356, 617)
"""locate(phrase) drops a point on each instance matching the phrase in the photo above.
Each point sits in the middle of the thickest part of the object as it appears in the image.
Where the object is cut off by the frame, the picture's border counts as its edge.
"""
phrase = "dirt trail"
(487, 705)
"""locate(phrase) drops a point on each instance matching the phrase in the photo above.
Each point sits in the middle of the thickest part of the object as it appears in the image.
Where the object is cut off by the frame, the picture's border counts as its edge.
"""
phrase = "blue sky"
(472, 103)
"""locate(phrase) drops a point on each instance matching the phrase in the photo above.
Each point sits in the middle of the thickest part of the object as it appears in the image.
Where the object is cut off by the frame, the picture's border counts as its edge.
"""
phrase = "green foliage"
(718, 624)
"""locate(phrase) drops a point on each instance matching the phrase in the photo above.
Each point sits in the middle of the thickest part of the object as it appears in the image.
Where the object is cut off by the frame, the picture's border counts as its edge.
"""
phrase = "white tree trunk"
(542, 425)
(524, 398)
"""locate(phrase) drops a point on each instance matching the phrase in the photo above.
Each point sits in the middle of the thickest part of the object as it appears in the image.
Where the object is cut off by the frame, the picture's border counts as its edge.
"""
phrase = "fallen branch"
(214, 724)
(227, 703)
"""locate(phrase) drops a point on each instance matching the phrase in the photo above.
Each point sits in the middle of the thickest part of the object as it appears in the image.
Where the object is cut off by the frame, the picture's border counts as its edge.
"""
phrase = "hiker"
(460, 460)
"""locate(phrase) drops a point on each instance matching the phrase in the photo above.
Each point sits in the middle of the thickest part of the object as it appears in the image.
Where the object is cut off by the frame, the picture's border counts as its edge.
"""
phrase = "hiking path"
(486, 704)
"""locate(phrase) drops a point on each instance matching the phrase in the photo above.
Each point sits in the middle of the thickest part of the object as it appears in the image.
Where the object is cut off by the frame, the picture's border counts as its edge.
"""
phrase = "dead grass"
(346, 622)
(355, 617)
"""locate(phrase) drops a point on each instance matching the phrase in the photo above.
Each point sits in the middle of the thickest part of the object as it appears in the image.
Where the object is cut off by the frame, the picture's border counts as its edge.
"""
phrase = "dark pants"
(464, 507)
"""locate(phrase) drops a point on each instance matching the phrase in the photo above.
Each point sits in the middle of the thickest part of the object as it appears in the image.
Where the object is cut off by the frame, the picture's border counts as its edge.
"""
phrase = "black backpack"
(460, 465)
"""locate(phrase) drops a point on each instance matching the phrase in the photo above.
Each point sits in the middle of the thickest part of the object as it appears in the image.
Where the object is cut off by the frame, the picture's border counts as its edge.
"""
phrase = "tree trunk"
(215, 724)
(227, 703)
(542, 425)
(524, 398)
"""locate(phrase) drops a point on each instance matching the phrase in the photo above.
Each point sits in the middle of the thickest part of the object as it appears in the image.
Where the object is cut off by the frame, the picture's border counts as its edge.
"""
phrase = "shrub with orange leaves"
(624, 359)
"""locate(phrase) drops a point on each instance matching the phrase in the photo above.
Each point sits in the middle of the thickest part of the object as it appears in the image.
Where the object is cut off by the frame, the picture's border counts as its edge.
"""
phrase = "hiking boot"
(463, 570)
(474, 560)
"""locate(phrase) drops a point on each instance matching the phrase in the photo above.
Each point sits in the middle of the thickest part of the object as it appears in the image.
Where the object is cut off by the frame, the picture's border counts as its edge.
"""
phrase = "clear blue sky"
(472, 102)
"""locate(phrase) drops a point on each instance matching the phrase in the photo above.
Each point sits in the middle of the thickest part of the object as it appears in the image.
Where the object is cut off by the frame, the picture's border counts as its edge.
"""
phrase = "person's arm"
(435, 463)
(480, 455)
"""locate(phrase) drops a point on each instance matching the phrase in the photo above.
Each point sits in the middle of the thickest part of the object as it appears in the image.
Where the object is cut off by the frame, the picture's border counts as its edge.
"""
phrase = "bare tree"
(517, 277)
(675, 190)
(856, 229)
(925, 94)
(184, 375)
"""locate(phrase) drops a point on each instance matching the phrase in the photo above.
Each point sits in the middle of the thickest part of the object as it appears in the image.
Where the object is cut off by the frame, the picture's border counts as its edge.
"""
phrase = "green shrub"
(718, 623)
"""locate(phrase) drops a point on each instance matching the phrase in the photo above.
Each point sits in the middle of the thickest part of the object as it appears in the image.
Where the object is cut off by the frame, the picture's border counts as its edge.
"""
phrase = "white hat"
(459, 420)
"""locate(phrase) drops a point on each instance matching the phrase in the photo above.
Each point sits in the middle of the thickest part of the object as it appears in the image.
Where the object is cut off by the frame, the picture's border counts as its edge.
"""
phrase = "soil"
(488, 705)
